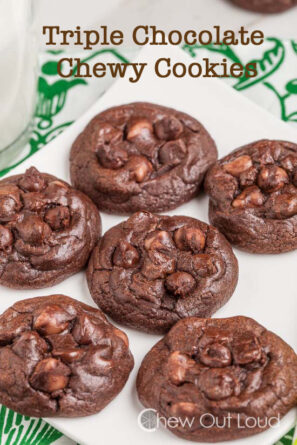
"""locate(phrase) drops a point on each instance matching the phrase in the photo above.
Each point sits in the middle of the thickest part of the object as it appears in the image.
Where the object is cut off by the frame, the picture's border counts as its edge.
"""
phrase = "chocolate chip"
(56, 193)
(139, 128)
(178, 366)
(52, 320)
(215, 355)
(140, 168)
(246, 349)
(32, 229)
(157, 265)
(217, 383)
(58, 217)
(250, 197)
(111, 156)
(107, 134)
(214, 335)
(187, 409)
(159, 240)
(6, 238)
(248, 177)
(282, 206)
(238, 165)
(169, 128)
(262, 152)
(14, 327)
(32, 181)
(172, 153)
(203, 264)
(30, 344)
(125, 255)
(272, 178)
(289, 163)
(34, 202)
(69, 355)
(180, 284)
(85, 331)
(10, 202)
(50, 375)
(146, 290)
(190, 238)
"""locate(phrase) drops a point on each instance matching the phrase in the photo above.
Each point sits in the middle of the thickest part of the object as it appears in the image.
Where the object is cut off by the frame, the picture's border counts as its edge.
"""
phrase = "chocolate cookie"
(60, 357)
(253, 196)
(222, 379)
(47, 230)
(141, 157)
(152, 270)
(266, 6)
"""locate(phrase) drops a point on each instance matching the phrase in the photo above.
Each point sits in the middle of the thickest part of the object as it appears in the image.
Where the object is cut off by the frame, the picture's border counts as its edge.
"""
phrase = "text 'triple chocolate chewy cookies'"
(141, 157)
(253, 196)
(150, 271)
(266, 6)
(47, 230)
(60, 358)
(220, 379)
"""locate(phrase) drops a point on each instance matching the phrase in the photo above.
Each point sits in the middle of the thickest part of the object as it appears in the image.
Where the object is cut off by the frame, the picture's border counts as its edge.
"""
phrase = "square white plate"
(267, 286)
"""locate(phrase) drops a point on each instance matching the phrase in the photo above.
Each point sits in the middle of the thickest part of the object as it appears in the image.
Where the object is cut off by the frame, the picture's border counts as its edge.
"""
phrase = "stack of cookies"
(155, 273)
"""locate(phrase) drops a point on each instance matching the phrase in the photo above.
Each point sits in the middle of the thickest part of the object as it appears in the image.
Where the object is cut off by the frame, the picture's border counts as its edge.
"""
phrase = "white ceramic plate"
(267, 286)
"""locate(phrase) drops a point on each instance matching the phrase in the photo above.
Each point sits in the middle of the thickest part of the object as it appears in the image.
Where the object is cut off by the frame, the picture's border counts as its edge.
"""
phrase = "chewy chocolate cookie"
(150, 271)
(253, 196)
(60, 357)
(266, 6)
(47, 230)
(141, 157)
(222, 379)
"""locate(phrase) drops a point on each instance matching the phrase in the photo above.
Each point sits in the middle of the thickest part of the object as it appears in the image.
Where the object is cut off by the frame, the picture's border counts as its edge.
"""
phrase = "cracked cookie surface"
(47, 230)
(151, 270)
(60, 357)
(221, 369)
(253, 196)
(266, 6)
(141, 157)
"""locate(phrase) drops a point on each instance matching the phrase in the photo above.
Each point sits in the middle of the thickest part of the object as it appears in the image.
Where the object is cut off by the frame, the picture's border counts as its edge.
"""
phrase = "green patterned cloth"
(61, 101)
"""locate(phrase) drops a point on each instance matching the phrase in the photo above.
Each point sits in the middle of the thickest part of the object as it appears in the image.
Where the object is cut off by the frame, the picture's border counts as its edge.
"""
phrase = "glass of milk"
(18, 75)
